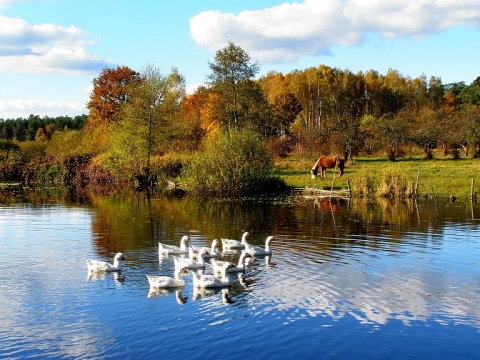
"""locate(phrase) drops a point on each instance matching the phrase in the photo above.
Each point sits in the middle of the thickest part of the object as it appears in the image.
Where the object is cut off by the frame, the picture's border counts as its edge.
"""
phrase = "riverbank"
(441, 176)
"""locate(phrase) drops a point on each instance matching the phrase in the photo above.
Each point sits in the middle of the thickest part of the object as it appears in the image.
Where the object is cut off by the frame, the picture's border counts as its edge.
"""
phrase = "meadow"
(440, 176)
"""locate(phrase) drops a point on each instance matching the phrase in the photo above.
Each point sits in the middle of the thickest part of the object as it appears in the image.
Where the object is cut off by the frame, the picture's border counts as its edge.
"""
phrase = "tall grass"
(363, 183)
(393, 183)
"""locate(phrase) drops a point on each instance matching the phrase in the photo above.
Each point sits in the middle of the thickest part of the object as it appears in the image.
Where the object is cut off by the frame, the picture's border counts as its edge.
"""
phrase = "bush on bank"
(232, 165)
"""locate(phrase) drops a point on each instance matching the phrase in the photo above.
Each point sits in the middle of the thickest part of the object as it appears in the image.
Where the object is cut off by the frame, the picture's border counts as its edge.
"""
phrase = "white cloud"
(45, 48)
(4, 4)
(286, 32)
(191, 88)
(23, 108)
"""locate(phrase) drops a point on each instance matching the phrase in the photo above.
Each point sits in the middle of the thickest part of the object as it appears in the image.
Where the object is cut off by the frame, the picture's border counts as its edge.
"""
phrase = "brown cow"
(327, 162)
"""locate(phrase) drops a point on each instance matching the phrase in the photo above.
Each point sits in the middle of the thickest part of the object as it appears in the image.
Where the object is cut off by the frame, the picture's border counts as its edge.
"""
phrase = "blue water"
(377, 290)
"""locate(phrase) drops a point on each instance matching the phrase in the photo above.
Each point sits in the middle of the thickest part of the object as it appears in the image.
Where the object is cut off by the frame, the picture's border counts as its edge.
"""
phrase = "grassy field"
(442, 176)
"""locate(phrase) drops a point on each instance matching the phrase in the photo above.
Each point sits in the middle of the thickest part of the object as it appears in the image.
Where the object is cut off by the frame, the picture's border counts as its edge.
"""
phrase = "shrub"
(169, 165)
(232, 165)
(10, 171)
(31, 149)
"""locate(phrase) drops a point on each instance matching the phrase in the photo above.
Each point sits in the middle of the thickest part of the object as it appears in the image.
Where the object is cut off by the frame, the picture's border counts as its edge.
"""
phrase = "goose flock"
(214, 273)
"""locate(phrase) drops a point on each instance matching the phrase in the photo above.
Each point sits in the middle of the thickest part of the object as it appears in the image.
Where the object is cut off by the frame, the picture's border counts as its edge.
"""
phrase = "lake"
(347, 279)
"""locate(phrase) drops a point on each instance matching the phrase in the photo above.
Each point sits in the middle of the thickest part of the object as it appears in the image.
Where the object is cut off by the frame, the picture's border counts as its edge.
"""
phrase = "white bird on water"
(190, 263)
(162, 282)
(211, 281)
(259, 251)
(164, 249)
(231, 244)
(240, 266)
(210, 253)
(98, 265)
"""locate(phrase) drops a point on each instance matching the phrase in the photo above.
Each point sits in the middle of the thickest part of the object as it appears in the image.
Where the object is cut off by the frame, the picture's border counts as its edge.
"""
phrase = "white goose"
(217, 265)
(210, 253)
(257, 250)
(190, 263)
(162, 282)
(98, 265)
(211, 281)
(164, 249)
(235, 244)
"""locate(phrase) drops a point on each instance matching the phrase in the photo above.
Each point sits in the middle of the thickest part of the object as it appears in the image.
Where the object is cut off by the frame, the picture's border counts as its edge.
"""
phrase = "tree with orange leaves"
(108, 94)
(200, 108)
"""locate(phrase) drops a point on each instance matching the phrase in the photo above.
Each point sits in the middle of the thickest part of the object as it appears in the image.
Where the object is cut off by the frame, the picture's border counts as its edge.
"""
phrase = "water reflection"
(349, 240)
(102, 275)
(351, 265)
(178, 293)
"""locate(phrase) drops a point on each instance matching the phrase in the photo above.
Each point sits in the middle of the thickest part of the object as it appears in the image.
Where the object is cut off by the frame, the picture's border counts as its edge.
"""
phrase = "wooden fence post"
(473, 195)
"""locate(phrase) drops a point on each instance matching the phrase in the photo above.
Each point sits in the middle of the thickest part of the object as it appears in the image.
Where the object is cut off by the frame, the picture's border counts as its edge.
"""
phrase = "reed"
(393, 183)
(363, 183)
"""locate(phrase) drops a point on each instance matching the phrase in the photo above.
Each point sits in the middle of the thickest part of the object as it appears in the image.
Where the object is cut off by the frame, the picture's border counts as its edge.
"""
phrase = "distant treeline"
(34, 126)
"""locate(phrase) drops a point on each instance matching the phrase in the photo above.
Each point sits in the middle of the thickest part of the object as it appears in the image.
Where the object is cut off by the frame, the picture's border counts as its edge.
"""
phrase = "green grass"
(441, 176)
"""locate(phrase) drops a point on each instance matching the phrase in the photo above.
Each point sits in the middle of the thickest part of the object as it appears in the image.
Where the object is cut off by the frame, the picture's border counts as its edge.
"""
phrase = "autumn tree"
(109, 94)
(435, 93)
(40, 135)
(470, 116)
(231, 78)
(373, 93)
(200, 107)
(425, 131)
(144, 121)
(368, 127)
(393, 131)
(284, 104)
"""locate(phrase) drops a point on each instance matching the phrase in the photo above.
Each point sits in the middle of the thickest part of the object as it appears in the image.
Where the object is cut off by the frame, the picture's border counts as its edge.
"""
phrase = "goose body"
(98, 265)
(210, 253)
(212, 281)
(164, 249)
(191, 262)
(235, 244)
(162, 282)
(240, 266)
(259, 251)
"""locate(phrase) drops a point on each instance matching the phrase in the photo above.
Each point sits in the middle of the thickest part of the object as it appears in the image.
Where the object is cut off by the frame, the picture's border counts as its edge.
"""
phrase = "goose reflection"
(203, 293)
(102, 275)
(266, 258)
(269, 263)
(158, 292)
(231, 252)
(241, 280)
(200, 293)
(226, 299)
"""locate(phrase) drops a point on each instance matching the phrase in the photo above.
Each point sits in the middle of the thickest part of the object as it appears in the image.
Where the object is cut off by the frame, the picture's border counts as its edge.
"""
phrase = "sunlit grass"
(440, 176)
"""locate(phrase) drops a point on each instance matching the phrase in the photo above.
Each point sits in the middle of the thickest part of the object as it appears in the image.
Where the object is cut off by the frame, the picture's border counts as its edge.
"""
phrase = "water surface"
(346, 280)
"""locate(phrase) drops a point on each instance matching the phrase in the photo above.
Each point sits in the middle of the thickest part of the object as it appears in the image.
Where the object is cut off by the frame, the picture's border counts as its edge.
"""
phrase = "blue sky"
(51, 50)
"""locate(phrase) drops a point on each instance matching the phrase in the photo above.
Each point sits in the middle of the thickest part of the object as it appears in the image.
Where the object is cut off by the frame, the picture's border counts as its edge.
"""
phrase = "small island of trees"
(224, 139)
